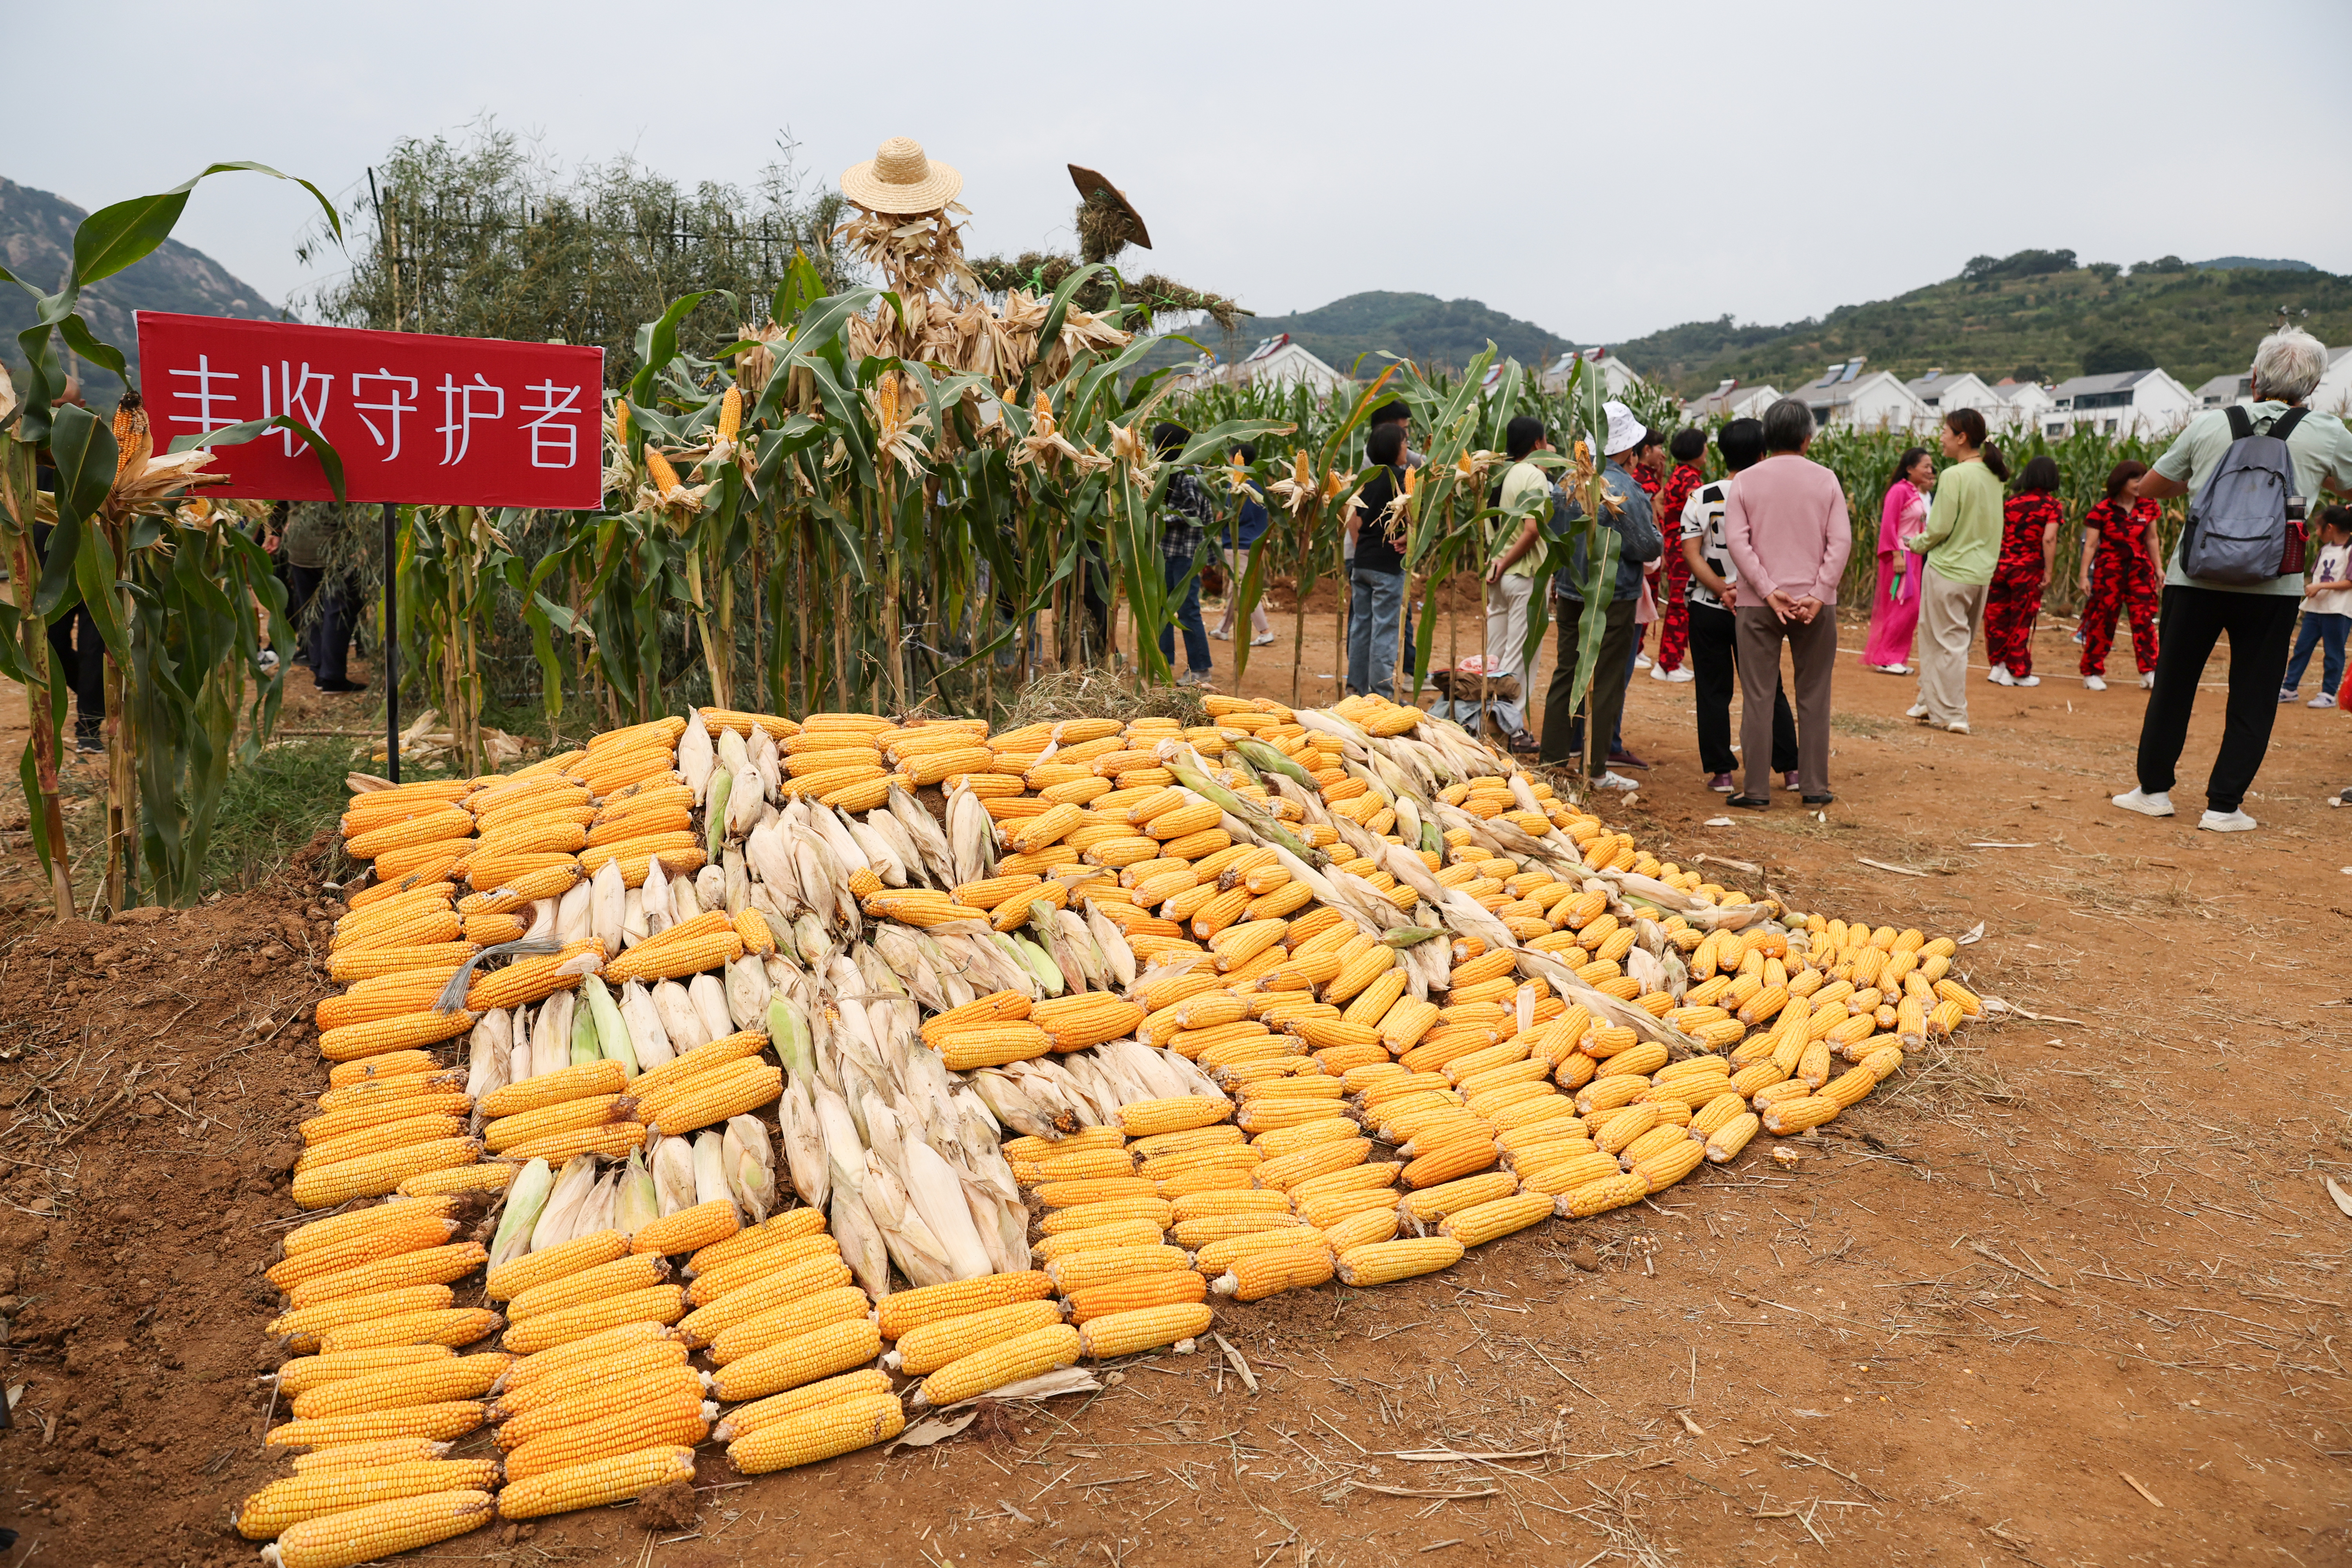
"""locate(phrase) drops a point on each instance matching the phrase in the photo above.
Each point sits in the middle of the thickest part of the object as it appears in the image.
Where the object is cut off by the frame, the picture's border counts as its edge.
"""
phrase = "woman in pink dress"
(1894, 613)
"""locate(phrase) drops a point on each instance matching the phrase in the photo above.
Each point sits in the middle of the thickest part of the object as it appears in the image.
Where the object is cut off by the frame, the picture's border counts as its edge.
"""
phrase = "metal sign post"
(391, 660)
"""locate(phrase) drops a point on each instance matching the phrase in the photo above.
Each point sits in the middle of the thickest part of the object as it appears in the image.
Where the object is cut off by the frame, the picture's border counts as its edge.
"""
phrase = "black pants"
(81, 654)
(334, 603)
(2260, 626)
(1715, 672)
(1563, 722)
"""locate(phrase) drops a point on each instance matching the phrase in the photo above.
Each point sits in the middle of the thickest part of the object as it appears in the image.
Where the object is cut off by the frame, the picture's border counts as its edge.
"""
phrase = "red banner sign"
(436, 421)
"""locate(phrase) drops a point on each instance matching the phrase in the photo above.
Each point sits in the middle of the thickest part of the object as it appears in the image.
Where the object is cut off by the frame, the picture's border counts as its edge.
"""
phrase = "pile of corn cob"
(1204, 975)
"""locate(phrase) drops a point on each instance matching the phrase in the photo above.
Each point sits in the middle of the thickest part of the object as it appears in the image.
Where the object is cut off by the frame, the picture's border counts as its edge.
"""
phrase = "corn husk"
(561, 1214)
(674, 1175)
(526, 1197)
(649, 1042)
(750, 1161)
(635, 1204)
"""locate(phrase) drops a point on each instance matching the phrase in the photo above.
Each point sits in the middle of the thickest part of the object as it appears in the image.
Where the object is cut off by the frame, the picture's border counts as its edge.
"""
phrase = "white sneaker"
(2027, 680)
(2093, 683)
(2146, 804)
(268, 663)
(2147, 681)
(2227, 822)
(1613, 779)
(1681, 675)
(1957, 727)
(2000, 676)
(2322, 700)
(1641, 661)
(1916, 711)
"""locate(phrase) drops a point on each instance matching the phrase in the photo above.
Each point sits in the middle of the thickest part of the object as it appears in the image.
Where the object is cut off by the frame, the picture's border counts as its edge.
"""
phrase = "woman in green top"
(1962, 540)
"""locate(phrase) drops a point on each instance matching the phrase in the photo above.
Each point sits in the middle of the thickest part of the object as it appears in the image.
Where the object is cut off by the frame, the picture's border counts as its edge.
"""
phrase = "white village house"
(2223, 390)
(1730, 400)
(2023, 403)
(2128, 402)
(1275, 362)
(1862, 399)
(1941, 391)
(2334, 394)
(1616, 375)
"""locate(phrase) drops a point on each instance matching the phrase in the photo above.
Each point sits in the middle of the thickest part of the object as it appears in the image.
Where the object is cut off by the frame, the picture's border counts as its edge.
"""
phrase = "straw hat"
(899, 180)
(1090, 183)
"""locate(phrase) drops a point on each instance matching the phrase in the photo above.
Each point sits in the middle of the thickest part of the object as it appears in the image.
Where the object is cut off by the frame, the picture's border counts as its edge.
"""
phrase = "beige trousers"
(1506, 635)
(1948, 616)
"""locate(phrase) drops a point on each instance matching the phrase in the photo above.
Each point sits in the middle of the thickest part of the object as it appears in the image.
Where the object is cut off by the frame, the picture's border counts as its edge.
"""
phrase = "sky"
(1604, 171)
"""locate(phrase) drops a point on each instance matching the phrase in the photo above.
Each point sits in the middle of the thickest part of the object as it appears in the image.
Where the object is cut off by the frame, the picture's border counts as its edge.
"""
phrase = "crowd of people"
(1730, 569)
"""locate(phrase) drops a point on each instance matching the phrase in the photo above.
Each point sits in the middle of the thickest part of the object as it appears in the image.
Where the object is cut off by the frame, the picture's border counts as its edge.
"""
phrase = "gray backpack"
(2240, 527)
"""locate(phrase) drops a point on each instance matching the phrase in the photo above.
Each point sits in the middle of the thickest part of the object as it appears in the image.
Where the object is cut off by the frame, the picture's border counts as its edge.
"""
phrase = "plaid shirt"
(1183, 526)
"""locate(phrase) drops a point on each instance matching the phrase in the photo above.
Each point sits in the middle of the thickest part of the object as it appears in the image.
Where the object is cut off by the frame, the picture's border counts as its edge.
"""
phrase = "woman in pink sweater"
(1894, 612)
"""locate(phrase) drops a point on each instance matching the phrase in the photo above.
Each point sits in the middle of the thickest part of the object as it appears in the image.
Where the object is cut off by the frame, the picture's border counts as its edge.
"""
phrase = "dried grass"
(1100, 693)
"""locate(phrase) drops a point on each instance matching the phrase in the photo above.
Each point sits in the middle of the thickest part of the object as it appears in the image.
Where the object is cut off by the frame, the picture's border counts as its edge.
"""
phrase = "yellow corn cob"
(1440, 1199)
(428, 1265)
(1664, 1167)
(578, 1081)
(1364, 1227)
(708, 1097)
(378, 1138)
(1077, 1272)
(1008, 1361)
(622, 1274)
(1120, 1233)
(398, 1235)
(1277, 1142)
(1256, 1275)
(1242, 1201)
(452, 1419)
(1317, 1160)
(1355, 1178)
(1726, 1141)
(397, 1387)
(1222, 1135)
(596, 1482)
(1793, 1115)
(1596, 1197)
(406, 1032)
(376, 1110)
(626, 1431)
(1135, 1292)
(1650, 1143)
(740, 1272)
(565, 1116)
(378, 1530)
(1382, 1262)
(1567, 1173)
(445, 1326)
(582, 1252)
(927, 1349)
(304, 1373)
(1143, 1329)
(372, 1175)
(904, 1310)
(1716, 1113)
(783, 1287)
(383, 1451)
(689, 1229)
(1481, 1223)
(1206, 1229)
(1457, 1156)
(822, 1351)
(809, 1398)
(991, 1045)
(1092, 1189)
(820, 1432)
(1154, 1212)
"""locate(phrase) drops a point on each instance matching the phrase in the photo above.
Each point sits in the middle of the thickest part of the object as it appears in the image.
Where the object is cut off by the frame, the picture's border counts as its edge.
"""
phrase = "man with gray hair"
(2257, 611)
(1787, 530)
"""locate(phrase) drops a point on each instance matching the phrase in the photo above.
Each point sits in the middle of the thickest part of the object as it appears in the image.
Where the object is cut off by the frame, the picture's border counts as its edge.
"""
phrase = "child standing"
(2120, 573)
(2028, 535)
(2326, 610)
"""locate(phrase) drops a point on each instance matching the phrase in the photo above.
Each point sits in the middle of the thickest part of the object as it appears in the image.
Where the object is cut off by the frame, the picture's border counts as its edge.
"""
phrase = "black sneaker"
(90, 741)
(341, 688)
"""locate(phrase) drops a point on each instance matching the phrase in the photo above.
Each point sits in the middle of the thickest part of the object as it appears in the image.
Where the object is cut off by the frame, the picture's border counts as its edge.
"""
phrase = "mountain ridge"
(36, 230)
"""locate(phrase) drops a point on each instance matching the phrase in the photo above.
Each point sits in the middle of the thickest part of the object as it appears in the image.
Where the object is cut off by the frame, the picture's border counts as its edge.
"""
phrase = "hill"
(1420, 327)
(2037, 314)
(36, 232)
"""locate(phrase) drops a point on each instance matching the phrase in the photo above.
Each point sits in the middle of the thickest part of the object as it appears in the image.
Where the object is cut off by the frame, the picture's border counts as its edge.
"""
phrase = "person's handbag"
(2245, 525)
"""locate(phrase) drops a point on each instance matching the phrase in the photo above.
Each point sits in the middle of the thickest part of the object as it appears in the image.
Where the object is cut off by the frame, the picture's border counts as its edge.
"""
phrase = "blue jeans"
(1188, 616)
(1375, 607)
(2324, 631)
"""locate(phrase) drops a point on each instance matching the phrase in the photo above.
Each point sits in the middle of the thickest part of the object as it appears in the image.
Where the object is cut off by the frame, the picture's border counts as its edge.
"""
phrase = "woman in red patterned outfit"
(1689, 450)
(2120, 573)
(2029, 536)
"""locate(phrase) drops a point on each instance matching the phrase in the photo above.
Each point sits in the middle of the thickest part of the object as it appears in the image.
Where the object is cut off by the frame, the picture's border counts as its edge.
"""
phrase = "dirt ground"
(2074, 1293)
